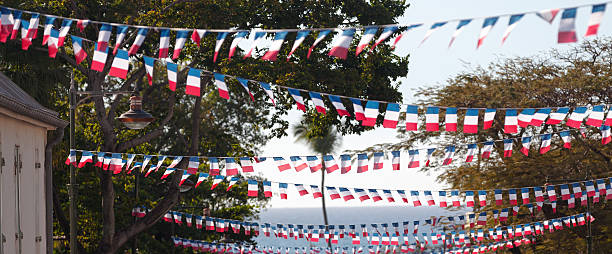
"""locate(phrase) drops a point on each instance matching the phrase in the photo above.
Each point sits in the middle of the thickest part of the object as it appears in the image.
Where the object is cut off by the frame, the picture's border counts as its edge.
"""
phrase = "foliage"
(184, 125)
(579, 76)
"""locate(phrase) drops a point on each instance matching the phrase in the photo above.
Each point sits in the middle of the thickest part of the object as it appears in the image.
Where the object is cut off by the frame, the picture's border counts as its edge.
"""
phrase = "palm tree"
(322, 139)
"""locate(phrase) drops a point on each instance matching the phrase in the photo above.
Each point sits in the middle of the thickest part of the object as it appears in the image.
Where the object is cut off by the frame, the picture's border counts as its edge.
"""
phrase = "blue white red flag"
(231, 168)
(272, 53)
(282, 189)
(140, 37)
(252, 188)
(25, 41)
(402, 195)
(32, 26)
(345, 163)
(168, 172)
(414, 195)
(184, 177)
(469, 199)
(341, 46)
(449, 153)
(442, 199)
(526, 142)
(575, 119)
(482, 198)
(432, 29)
(72, 158)
(330, 163)
(375, 196)
(172, 75)
(605, 134)
(371, 113)
(11, 31)
(77, 48)
(299, 100)
(298, 163)
(346, 194)
(557, 116)
(455, 198)
(238, 37)
(525, 195)
(512, 22)
(220, 39)
(471, 152)
(470, 122)
(300, 37)
(47, 28)
(451, 119)
(361, 194)
(430, 151)
(567, 29)
(429, 198)
(316, 192)
(545, 146)
(359, 112)
(193, 82)
(525, 117)
(412, 117)
(597, 13)
(181, 38)
(52, 43)
(267, 186)
(282, 163)
(512, 197)
(511, 121)
(322, 34)
(82, 23)
(214, 166)
(149, 64)
(388, 195)
(63, 32)
(508, 147)
(268, 89)
(314, 163)
(257, 38)
(246, 164)
(548, 15)
(565, 136)
(596, 117)
(164, 43)
(116, 163)
(386, 33)
(120, 65)
(221, 85)
(378, 158)
(460, 27)
(175, 161)
(201, 178)
(86, 157)
(197, 35)
(218, 179)
(487, 25)
(333, 193)
(318, 101)
(432, 119)
(194, 164)
(489, 116)
(368, 35)
(413, 158)
(99, 60)
(540, 116)
(337, 102)
(395, 160)
(362, 163)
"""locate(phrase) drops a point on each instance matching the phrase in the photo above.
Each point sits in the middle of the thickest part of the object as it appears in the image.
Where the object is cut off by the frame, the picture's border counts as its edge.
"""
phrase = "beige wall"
(26, 214)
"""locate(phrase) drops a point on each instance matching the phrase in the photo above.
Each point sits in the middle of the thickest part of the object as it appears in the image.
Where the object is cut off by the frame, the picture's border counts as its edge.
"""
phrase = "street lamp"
(136, 118)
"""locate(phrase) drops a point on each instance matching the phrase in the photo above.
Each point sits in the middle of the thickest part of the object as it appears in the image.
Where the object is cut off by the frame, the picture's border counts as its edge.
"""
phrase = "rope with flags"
(12, 20)
(486, 238)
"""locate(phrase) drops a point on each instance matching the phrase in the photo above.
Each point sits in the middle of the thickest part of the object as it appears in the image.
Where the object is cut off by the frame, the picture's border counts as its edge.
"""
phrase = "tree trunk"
(323, 199)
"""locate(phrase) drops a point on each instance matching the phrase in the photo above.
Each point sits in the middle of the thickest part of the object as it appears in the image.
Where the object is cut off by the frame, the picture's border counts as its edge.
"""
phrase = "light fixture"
(186, 186)
(136, 118)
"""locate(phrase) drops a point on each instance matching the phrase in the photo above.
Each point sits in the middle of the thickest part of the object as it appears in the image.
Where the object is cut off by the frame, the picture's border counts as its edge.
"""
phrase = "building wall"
(22, 192)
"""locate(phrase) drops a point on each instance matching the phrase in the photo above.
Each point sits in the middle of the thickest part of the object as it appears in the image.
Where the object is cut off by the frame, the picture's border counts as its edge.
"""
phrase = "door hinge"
(3, 239)
(38, 239)
(3, 163)
(19, 235)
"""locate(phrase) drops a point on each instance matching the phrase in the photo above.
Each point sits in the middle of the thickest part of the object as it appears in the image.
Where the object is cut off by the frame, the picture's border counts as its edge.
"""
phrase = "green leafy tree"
(187, 125)
(579, 76)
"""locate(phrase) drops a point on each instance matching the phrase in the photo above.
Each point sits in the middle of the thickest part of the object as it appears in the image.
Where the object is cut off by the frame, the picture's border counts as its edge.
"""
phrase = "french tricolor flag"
(140, 37)
(231, 168)
(333, 193)
(526, 142)
(268, 89)
(414, 195)
(470, 123)
(489, 116)
(487, 25)
(66, 23)
(193, 82)
(596, 16)
(558, 116)
(402, 195)
(392, 115)
(82, 23)
(451, 119)
(361, 194)
(375, 196)
(86, 157)
(432, 119)
(525, 195)
(471, 152)
(181, 38)
(341, 45)
(221, 86)
(442, 199)
(282, 164)
(362, 163)
(184, 177)
(395, 161)
(460, 27)
(508, 147)
(567, 30)
(7, 23)
(282, 189)
(548, 15)
(367, 36)
(298, 163)
(322, 34)
(245, 84)
(316, 192)
(345, 163)
(318, 102)
(32, 26)
(412, 117)
(172, 74)
(252, 188)
(413, 158)
(605, 134)
(72, 158)
(267, 186)
(99, 59)
(16, 25)
(512, 22)
(386, 33)
(121, 33)
(448, 157)
(246, 164)
(525, 117)
(590, 188)
(77, 47)
(511, 121)
(498, 197)
(214, 166)
(359, 113)
(371, 113)
(52, 43)
(596, 117)
(469, 198)
(335, 100)
(512, 197)
(314, 163)
(197, 35)
(330, 163)
(430, 151)
(164, 43)
(455, 198)
(378, 160)
(565, 193)
(238, 37)
(258, 37)
(576, 188)
(299, 100)
(272, 53)
(432, 29)
(429, 198)
(300, 37)
(149, 64)
(575, 119)
(301, 190)
(565, 136)
(47, 28)
(120, 65)
(540, 116)
(545, 147)
(116, 163)
(388, 195)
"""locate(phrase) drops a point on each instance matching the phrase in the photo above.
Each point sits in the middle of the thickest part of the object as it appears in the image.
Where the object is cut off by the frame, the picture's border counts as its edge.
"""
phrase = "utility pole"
(72, 185)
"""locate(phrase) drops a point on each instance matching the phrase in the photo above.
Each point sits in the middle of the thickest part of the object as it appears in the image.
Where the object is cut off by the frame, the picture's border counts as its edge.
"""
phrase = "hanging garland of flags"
(483, 239)
(11, 21)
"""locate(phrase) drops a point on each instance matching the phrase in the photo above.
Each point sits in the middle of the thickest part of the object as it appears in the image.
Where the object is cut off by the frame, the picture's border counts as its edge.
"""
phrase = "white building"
(26, 219)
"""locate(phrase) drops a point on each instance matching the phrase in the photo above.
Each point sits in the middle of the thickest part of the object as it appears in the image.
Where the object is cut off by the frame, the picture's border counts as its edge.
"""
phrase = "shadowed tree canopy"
(581, 75)
(190, 125)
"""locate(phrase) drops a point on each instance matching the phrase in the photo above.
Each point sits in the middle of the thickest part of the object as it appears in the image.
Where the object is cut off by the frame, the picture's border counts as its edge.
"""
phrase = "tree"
(579, 76)
(323, 139)
(190, 125)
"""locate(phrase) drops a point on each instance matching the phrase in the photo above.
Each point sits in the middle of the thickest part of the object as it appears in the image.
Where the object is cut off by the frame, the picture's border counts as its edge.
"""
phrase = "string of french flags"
(367, 114)
(295, 231)
(12, 20)
(484, 240)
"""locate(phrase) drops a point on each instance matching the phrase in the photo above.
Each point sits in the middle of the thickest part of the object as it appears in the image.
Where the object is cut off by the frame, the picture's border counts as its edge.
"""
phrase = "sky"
(431, 63)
